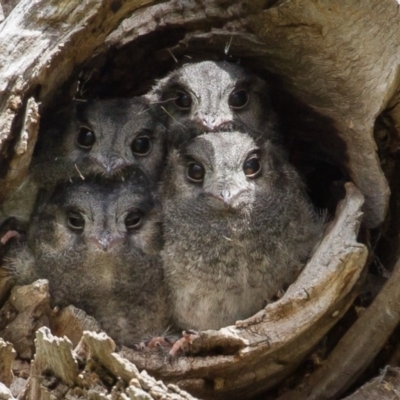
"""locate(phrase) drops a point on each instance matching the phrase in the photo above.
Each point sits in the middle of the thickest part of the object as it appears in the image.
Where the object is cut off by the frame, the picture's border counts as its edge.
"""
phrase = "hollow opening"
(315, 148)
(311, 140)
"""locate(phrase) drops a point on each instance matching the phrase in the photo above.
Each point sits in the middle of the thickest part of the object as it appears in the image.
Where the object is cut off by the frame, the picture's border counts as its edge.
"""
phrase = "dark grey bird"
(214, 96)
(100, 137)
(98, 245)
(238, 228)
(103, 137)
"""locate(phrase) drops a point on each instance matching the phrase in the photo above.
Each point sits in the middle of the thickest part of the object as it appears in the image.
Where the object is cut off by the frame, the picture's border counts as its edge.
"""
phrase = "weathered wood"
(55, 359)
(101, 347)
(329, 67)
(7, 6)
(5, 393)
(7, 355)
(23, 149)
(357, 348)
(383, 387)
(71, 322)
(54, 356)
(27, 309)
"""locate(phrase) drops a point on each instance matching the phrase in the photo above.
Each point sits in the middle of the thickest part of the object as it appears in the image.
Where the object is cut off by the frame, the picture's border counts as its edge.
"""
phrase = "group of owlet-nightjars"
(178, 208)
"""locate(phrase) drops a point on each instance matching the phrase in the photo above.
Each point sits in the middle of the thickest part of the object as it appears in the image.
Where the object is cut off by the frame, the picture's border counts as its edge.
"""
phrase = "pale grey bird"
(214, 96)
(238, 228)
(103, 137)
(98, 244)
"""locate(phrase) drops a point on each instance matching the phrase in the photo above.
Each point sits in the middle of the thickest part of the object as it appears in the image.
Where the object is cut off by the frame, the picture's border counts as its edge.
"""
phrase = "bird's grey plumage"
(101, 137)
(117, 125)
(232, 240)
(98, 245)
(214, 96)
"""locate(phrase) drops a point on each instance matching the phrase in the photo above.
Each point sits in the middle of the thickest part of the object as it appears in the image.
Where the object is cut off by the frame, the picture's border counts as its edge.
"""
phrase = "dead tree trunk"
(333, 70)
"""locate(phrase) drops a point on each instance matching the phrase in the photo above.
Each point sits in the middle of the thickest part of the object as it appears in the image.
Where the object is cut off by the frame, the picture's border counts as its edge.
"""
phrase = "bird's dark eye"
(239, 99)
(133, 220)
(183, 100)
(252, 167)
(76, 221)
(195, 172)
(141, 146)
(85, 138)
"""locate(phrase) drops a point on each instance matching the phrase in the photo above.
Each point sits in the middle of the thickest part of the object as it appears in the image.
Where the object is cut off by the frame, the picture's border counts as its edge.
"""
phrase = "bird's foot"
(183, 344)
(10, 230)
(9, 235)
(160, 343)
(168, 346)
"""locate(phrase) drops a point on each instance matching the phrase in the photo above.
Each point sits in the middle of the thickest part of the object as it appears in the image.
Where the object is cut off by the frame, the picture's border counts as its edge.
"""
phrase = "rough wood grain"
(8, 6)
(72, 322)
(55, 359)
(27, 309)
(23, 149)
(54, 356)
(357, 348)
(5, 393)
(332, 73)
(7, 356)
(383, 387)
(101, 347)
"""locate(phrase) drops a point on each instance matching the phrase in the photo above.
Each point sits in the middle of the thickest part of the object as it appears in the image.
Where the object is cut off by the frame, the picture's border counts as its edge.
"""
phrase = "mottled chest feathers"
(238, 227)
(98, 243)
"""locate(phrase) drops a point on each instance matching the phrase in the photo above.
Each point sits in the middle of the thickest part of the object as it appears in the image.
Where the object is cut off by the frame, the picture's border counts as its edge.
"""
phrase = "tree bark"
(383, 387)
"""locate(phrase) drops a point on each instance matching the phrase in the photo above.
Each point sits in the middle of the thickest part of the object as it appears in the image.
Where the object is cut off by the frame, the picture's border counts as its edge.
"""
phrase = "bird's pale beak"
(106, 242)
(211, 123)
(226, 197)
(110, 164)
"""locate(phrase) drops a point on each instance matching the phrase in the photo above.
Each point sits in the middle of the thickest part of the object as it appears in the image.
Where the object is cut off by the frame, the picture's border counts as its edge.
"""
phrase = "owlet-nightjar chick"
(99, 137)
(214, 96)
(238, 227)
(98, 245)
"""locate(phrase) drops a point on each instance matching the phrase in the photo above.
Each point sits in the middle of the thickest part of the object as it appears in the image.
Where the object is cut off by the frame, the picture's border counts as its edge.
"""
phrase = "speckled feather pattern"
(223, 265)
(122, 287)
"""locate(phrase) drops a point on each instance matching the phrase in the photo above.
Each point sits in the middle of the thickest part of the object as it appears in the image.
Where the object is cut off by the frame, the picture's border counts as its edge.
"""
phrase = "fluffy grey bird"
(98, 245)
(214, 96)
(238, 227)
(101, 137)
